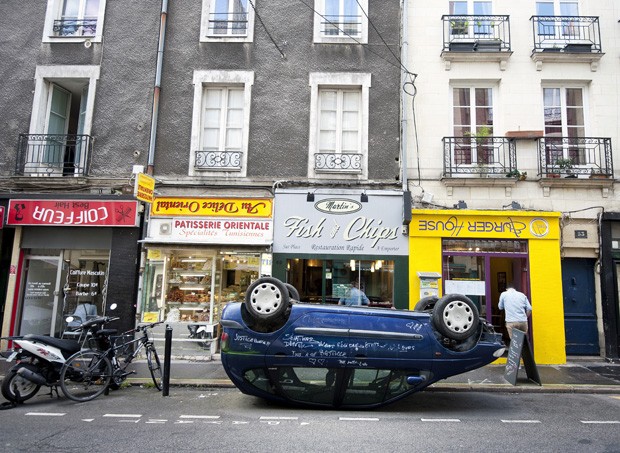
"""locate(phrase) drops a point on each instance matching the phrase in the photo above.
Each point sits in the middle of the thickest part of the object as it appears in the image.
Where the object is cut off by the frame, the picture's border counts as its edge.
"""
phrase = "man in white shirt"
(517, 308)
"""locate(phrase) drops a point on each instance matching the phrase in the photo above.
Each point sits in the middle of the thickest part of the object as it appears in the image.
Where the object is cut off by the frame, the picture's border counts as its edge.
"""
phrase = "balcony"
(341, 26)
(477, 158)
(213, 160)
(476, 38)
(228, 24)
(75, 27)
(53, 155)
(338, 163)
(566, 38)
(576, 158)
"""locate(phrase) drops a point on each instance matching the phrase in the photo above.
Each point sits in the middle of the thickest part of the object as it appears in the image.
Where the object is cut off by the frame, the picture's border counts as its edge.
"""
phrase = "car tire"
(426, 303)
(456, 317)
(267, 299)
(293, 294)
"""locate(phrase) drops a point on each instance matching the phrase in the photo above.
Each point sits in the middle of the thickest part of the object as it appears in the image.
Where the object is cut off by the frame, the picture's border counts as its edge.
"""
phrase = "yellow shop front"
(477, 253)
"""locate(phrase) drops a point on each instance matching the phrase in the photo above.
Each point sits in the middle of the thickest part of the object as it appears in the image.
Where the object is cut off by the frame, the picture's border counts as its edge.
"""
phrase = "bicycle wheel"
(152, 359)
(85, 375)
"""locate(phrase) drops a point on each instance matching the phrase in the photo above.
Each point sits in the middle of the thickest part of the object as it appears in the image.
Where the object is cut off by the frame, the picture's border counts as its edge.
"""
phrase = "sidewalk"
(578, 375)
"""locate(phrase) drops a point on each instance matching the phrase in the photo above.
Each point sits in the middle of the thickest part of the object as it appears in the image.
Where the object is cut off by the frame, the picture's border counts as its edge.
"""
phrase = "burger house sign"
(339, 225)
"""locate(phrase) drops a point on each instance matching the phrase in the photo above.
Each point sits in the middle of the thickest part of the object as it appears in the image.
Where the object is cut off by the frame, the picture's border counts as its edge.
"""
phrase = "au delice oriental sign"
(97, 213)
(211, 207)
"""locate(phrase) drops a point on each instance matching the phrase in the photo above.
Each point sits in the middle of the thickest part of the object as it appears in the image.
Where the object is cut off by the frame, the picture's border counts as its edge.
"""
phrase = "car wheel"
(267, 299)
(456, 316)
(293, 294)
(426, 303)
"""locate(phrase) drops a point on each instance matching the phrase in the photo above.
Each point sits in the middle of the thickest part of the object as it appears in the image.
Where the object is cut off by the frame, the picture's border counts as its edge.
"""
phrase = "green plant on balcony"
(566, 165)
(520, 175)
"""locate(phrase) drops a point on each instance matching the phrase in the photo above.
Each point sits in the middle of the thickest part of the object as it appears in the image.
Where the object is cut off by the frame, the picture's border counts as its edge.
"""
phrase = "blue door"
(579, 307)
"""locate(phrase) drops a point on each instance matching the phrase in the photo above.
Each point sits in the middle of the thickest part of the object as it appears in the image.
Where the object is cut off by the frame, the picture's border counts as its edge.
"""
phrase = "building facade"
(516, 113)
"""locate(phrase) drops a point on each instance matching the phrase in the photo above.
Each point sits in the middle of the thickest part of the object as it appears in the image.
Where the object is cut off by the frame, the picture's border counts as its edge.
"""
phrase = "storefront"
(70, 257)
(325, 241)
(202, 253)
(610, 283)
(477, 253)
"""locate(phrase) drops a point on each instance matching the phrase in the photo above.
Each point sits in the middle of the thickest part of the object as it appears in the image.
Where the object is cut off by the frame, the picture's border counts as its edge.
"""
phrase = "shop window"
(59, 284)
(328, 281)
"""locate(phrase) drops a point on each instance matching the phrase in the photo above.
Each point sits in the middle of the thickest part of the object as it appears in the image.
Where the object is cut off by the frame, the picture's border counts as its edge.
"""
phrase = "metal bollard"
(167, 354)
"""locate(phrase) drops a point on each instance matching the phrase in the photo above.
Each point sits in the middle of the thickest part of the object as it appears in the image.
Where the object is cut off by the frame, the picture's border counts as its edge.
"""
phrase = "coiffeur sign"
(244, 221)
(73, 213)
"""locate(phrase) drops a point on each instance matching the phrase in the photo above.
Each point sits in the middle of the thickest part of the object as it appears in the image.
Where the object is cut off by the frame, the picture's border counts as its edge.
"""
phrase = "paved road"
(224, 420)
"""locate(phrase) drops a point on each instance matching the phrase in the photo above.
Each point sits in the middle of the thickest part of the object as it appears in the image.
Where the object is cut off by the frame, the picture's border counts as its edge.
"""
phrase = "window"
(221, 122)
(227, 21)
(564, 125)
(475, 27)
(339, 125)
(71, 20)
(340, 21)
(58, 142)
(550, 28)
(473, 121)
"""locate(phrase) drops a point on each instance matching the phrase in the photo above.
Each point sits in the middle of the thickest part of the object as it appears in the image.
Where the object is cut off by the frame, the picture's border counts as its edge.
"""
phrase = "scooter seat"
(70, 346)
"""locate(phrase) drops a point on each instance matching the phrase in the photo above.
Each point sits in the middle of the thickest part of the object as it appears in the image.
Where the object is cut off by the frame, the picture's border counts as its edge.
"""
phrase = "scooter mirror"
(112, 307)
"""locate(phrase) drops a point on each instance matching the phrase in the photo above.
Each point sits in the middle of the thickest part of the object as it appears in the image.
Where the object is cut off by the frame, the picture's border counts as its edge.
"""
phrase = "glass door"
(42, 280)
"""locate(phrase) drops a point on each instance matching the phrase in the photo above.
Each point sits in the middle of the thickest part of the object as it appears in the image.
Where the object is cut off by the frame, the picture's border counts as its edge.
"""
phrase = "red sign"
(73, 212)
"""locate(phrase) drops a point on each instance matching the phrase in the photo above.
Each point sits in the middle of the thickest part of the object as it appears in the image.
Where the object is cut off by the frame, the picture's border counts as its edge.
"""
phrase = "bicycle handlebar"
(147, 326)
(98, 320)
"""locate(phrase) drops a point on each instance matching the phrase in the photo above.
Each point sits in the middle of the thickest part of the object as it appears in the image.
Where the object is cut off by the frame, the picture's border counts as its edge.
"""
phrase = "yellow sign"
(145, 188)
(485, 224)
(211, 207)
(150, 316)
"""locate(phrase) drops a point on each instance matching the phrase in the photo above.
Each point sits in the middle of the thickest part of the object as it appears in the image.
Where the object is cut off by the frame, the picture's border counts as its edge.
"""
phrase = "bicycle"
(89, 373)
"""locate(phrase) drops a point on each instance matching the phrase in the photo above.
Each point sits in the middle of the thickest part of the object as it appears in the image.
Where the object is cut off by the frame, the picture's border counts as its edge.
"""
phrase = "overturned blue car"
(277, 348)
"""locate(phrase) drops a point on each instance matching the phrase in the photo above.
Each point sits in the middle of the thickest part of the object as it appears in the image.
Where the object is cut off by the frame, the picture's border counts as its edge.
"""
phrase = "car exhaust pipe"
(32, 376)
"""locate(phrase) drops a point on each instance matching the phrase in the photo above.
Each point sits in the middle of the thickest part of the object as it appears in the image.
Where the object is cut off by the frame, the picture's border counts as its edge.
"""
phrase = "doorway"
(481, 270)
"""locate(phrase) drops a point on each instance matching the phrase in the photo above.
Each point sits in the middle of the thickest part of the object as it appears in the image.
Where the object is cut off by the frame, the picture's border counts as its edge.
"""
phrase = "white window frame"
(563, 86)
(45, 76)
(338, 80)
(222, 78)
(319, 37)
(473, 125)
(207, 36)
(53, 12)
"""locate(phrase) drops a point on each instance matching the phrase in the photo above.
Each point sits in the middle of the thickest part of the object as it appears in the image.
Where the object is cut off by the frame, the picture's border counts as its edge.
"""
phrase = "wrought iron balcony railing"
(338, 162)
(228, 24)
(575, 157)
(75, 27)
(570, 34)
(214, 160)
(53, 155)
(476, 33)
(345, 25)
(479, 156)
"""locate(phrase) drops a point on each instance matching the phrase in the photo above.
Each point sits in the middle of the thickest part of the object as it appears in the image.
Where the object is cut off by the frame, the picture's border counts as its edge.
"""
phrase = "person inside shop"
(355, 296)
(82, 312)
(517, 308)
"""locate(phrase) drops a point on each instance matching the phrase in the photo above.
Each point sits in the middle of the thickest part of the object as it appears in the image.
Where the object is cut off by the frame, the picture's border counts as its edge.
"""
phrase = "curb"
(437, 387)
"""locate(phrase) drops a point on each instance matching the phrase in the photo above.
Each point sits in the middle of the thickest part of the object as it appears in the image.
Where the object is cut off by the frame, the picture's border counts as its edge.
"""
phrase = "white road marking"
(601, 422)
(520, 421)
(154, 420)
(235, 422)
(358, 419)
(47, 414)
(200, 416)
(88, 419)
(123, 415)
(129, 421)
(279, 418)
(446, 420)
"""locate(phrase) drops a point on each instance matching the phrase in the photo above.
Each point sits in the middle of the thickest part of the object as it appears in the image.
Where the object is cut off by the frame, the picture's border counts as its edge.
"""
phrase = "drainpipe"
(403, 78)
(404, 48)
(157, 90)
